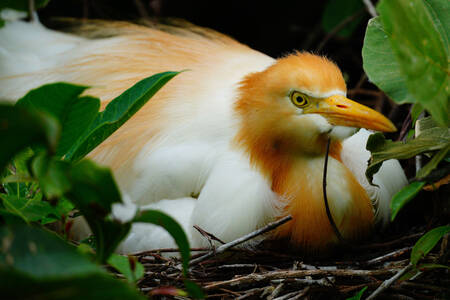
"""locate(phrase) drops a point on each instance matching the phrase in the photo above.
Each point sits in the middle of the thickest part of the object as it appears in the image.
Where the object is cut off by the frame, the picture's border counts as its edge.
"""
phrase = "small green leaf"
(433, 163)
(405, 195)
(193, 290)
(52, 175)
(22, 128)
(93, 194)
(429, 140)
(359, 294)
(122, 264)
(116, 113)
(173, 228)
(427, 242)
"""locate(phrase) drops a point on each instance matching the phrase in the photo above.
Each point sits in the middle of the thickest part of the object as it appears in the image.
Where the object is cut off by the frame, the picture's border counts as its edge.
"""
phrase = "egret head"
(298, 102)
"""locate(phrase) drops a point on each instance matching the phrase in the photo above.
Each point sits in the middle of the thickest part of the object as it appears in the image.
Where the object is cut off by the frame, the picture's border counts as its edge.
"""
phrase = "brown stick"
(298, 273)
(241, 240)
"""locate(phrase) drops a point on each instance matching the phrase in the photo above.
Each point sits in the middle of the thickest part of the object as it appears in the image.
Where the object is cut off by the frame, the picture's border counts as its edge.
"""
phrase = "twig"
(276, 291)
(31, 10)
(294, 295)
(241, 240)
(387, 283)
(370, 8)
(338, 28)
(209, 236)
(296, 274)
(389, 255)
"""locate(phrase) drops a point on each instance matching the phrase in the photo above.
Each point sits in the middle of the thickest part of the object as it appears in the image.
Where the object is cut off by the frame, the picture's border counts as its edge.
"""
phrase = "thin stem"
(325, 199)
(370, 8)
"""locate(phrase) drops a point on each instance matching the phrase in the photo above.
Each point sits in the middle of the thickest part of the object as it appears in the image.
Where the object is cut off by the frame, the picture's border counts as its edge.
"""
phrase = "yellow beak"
(339, 110)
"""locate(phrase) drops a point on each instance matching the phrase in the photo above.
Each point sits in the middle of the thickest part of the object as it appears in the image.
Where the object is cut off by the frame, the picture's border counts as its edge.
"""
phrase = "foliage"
(359, 294)
(49, 131)
(406, 54)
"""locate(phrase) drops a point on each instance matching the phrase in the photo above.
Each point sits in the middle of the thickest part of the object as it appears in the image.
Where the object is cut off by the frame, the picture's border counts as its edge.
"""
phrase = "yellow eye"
(299, 99)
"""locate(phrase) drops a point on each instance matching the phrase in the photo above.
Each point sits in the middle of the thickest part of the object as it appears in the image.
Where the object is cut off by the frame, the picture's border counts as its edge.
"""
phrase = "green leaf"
(415, 35)
(35, 209)
(405, 195)
(17, 286)
(93, 194)
(416, 110)
(194, 290)
(173, 228)
(63, 101)
(52, 175)
(41, 254)
(359, 294)
(380, 64)
(21, 4)
(431, 139)
(337, 11)
(36, 264)
(22, 129)
(427, 242)
(117, 112)
(433, 163)
(132, 270)
(421, 268)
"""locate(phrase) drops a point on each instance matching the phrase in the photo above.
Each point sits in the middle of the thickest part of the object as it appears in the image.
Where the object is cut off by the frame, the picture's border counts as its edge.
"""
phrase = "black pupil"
(300, 99)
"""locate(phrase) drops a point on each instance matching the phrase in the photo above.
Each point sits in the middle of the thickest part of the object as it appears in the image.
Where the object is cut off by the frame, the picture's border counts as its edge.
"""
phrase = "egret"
(236, 141)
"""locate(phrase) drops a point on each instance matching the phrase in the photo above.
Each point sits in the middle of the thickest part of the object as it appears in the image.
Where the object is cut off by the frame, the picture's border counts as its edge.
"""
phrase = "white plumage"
(179, 154)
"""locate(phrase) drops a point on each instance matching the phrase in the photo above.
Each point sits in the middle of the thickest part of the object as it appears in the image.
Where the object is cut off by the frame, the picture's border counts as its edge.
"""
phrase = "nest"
(238, 273)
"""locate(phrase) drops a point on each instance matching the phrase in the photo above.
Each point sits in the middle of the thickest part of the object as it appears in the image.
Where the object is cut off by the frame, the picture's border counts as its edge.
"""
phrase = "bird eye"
(299, 99)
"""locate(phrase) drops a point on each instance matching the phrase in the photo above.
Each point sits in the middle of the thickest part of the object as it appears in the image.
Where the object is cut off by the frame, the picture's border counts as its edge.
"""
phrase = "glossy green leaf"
(117, 112)
(172, 227)
(359, 294)
(132, 270)
(93, 194)
(22, 128)
(427, 242)
(431, 139)
(402, 197)
(41, 254)
(63, 101)
(337, 11)
(36, 264)
(380, 64)
(415, 34)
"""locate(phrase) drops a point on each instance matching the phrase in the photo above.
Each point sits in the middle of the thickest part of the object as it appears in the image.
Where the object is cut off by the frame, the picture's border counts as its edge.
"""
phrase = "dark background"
(272, 27)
